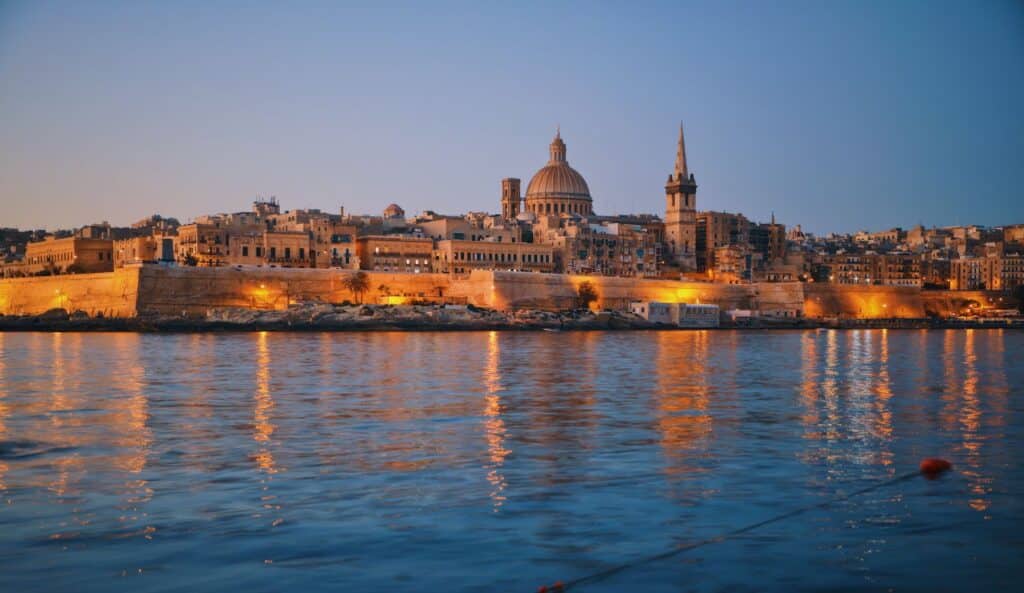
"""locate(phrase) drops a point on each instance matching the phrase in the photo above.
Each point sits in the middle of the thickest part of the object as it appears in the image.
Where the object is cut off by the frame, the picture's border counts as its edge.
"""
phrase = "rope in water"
(929, 468)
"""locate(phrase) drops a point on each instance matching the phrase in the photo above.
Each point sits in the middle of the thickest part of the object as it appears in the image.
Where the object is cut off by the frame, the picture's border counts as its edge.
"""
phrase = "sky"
(837, 116)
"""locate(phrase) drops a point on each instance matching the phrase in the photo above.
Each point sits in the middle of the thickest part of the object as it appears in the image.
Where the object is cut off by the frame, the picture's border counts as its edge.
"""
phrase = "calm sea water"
(503, 461)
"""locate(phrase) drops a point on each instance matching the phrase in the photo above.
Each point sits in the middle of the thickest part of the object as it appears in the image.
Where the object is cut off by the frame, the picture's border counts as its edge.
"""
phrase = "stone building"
(67, 255)
(769, 239)
(462, 257)
(596, 246)
(395, 253)
(511, 199)
(1002, 272)
(149, 248)
(201, 244)
(287, 249)
(718, 229)
(681, 212)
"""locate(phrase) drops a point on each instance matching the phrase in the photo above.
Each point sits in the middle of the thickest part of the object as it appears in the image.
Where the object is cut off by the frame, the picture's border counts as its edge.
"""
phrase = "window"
(302, 253)
(287, 252)
(245, 251)
(273, 253)
(259, 252)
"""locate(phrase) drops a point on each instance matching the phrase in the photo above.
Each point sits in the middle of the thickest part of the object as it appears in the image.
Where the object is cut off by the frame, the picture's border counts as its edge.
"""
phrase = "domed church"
(556, 188)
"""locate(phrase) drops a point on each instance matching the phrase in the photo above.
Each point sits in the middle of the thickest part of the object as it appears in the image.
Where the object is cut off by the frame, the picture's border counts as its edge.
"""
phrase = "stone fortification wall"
(514, 290)
(174, 290)
(948, 303)
(110, 294)
(863, 302)
(177, 290)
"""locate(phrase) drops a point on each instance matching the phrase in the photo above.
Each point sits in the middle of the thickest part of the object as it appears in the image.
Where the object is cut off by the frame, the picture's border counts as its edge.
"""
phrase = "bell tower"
(681, 211)
(511, 198)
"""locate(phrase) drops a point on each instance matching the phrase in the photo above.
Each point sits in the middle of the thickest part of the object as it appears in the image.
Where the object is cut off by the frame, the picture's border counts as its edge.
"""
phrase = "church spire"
(681, 171)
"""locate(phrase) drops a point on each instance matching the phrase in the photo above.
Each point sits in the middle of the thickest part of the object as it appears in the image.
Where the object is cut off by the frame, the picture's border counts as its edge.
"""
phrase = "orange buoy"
(542, 589)
(558, 586)
(933, 466)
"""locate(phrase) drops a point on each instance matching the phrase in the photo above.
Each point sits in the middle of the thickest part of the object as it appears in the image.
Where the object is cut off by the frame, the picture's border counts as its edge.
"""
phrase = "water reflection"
(4, 409)
(425, 459)
(263, 428)
(494, 426)
(883, 428)
(681, 398)
(846, 398)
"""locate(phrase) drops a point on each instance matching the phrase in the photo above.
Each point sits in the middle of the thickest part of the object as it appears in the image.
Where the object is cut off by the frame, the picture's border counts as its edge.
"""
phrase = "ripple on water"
(502, 461)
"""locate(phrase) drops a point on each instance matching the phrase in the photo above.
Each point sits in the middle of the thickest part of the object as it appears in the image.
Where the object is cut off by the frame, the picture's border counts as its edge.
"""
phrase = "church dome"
(558, 180)
(557, 187)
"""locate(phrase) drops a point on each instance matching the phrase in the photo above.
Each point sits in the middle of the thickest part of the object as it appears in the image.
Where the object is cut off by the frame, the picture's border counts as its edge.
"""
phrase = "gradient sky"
(838, 116)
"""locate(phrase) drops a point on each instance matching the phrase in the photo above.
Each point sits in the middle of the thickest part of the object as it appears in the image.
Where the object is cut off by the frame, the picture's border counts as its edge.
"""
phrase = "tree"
(1019, 294)
(586, 293)
(357, 284)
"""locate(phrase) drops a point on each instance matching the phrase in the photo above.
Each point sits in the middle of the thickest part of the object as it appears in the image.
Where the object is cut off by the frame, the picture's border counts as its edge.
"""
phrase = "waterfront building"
(145, 249)
(463, 256)
(201, 244)
(68, 255)
(1001, 272)
(735, 263)
(679, 314)
(395, 253)
(287, 249)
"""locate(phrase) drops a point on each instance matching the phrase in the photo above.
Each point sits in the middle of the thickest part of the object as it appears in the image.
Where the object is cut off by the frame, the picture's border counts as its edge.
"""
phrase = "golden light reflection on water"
(263, 427)
(133, 418)
(883, 410)
(970, 425)
(682, 402)
(494, 426)
(809, 384)
(846, 395)
(830, 388)
(4, 409)
(64, 355)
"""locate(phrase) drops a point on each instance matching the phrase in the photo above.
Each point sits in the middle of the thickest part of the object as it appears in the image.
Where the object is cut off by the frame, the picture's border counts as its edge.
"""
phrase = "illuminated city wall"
(862, 302)
(194, 290)
(177, 290)
(513, 290)
(946, 303)
(111, 294)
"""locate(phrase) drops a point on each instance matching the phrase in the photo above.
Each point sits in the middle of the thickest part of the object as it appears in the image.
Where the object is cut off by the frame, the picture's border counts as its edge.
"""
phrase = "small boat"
(551, 329)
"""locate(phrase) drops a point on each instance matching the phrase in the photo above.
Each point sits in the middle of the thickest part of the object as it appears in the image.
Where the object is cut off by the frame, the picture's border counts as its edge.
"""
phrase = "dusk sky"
(835, 115)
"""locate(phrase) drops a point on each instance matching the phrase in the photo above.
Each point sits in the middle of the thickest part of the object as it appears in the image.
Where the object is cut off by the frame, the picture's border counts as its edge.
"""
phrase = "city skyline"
(836, 122)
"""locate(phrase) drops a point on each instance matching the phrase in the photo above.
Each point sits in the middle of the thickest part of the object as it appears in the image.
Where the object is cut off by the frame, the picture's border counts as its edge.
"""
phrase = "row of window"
(532, 258)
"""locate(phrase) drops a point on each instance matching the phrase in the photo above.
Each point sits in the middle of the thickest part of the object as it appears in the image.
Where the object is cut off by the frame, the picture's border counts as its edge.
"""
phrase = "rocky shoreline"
(328, 317)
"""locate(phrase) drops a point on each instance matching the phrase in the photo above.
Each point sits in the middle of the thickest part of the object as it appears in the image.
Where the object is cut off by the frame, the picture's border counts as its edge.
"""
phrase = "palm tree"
(357, 284)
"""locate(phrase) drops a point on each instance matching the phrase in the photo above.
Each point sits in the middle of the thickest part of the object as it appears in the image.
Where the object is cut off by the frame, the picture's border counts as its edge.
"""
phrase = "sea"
(510, 461)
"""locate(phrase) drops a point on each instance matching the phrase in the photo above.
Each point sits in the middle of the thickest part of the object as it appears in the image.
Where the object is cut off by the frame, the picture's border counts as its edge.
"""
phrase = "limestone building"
(681, 211)
(68, 255)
